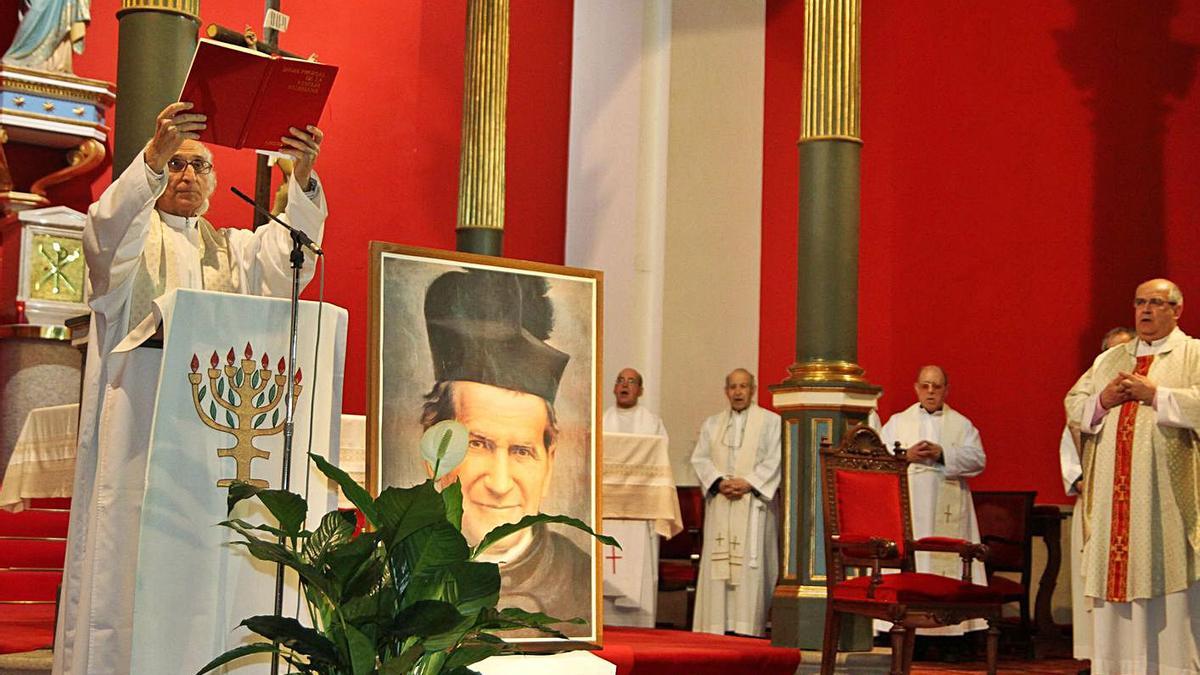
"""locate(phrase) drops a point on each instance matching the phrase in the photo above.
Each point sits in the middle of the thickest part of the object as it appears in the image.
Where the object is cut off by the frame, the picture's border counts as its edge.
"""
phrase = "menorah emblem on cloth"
(241, 392)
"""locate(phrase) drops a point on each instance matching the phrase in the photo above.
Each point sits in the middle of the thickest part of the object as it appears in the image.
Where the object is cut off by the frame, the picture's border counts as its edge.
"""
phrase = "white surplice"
(938, 492)
(1157, 630)
(634, 602)
(738, 601)
(134, 253)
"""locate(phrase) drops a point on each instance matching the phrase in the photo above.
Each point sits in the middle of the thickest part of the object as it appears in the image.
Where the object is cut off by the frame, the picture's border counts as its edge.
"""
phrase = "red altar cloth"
(643, 651)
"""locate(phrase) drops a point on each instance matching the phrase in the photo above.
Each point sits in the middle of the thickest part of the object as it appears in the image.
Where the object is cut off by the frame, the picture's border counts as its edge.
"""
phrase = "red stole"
(1118, 544)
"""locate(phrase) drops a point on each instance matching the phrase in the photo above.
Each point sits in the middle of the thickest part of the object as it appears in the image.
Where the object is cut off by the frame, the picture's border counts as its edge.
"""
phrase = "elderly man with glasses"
(145, 236)
(737, 460)
(1138, 409)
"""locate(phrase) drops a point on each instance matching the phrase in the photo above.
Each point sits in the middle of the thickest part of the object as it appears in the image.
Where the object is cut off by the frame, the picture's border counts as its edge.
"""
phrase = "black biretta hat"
(491, 327)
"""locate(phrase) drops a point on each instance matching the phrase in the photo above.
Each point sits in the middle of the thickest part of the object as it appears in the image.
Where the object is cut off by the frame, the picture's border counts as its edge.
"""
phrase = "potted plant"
(406, 595)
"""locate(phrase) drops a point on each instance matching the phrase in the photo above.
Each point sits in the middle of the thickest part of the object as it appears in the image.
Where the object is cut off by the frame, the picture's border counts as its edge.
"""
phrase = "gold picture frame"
(476, 337)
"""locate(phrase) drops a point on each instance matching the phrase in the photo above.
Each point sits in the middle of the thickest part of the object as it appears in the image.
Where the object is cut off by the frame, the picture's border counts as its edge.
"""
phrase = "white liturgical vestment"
(631, 572)
(134, 254)
(740, 564)
(1140, 510)
(938, 493)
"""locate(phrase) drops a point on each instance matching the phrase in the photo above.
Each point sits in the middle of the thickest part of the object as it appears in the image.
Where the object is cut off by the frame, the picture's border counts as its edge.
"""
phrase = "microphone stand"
(300, 241)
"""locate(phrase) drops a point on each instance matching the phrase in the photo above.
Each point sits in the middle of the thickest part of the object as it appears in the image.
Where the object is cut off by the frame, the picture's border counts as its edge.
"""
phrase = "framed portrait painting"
(510, 349)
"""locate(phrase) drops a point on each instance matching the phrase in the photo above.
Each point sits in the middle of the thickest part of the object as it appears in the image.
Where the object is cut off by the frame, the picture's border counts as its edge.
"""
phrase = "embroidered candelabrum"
(241, 392)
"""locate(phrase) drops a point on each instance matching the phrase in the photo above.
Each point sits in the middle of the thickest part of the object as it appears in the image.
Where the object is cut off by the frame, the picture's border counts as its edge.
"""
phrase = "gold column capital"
(832, 91)
(188, 8)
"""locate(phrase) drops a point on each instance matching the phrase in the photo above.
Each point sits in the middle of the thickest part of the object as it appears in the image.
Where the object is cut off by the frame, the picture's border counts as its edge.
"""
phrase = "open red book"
(251, 98)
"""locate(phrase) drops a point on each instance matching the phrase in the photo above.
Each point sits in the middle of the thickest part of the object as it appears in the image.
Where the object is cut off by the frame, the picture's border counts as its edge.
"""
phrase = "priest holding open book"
(145, 236)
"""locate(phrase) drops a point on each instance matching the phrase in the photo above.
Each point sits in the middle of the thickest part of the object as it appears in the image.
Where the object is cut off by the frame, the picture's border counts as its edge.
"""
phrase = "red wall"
(390, 159)
(1024, 167)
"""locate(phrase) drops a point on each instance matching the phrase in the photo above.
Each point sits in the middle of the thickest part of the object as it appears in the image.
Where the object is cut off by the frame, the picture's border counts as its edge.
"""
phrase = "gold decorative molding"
(826, 371)
(832, 96)
(81, 159)
(188, 8)
(485, 97)
(64, 87)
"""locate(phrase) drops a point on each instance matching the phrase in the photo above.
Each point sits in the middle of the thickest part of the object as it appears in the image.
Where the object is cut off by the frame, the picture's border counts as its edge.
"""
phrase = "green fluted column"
(825, 392)
(155, 42)
(480, 227)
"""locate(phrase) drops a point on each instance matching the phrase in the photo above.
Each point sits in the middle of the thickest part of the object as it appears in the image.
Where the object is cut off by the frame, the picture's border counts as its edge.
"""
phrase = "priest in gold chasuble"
(1138, 408)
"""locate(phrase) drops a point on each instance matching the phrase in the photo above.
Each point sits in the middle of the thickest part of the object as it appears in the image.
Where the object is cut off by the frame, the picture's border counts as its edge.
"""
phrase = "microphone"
(298, 235)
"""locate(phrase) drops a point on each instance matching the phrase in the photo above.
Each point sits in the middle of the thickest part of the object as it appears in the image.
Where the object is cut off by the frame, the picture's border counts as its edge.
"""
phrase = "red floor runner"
(642, 651)
(24, 628)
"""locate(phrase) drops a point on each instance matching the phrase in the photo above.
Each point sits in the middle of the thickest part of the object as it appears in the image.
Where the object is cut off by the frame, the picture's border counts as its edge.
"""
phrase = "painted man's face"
(507, 470)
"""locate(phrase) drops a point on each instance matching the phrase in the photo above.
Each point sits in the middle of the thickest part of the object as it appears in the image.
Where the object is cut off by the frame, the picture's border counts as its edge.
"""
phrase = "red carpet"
(24, 628)
(642, 651)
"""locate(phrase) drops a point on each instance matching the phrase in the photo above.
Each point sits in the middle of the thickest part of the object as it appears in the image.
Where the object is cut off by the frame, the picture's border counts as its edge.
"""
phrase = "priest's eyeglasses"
(1156, 303)
(179, 164)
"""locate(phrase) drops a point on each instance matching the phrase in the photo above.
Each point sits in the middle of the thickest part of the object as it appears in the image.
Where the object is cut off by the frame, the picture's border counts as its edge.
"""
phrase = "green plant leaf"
(212, 411)
(239, 377)
(255, 379)
(295, 636)
(447, 639)
(220, 387)
(468, 654)
(535, 618)
(275, 417)
(366, 577)
(476, 586)
(259, 420)
(272, 552)
(237, 653)
(229, 419)
(438, 545)
(288, 508)
(335, 529)
(423, 619)
(271, 394)
(357, 495)
(402, 511)
(453, 498)
(344, 561)
(239, 491)
(203, 392)
(402, 665)
(362, 651)
(505, 530)
(243, 525)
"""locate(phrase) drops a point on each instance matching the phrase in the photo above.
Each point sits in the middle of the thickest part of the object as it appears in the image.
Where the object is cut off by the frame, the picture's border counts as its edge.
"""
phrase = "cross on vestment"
(733, 543)
(613, 557)
(720, 539)
(948, 513)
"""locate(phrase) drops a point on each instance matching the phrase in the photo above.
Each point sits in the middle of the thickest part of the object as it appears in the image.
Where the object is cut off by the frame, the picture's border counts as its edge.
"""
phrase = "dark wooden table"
(1047, 524)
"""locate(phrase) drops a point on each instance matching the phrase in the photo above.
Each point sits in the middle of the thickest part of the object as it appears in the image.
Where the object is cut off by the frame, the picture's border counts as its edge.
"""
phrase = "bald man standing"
(1138, 409)
(737, 460)
(943, 450)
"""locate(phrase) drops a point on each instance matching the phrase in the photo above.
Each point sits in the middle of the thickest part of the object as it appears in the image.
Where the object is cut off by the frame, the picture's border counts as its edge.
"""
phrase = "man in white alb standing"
(737, 460)
(631, 595)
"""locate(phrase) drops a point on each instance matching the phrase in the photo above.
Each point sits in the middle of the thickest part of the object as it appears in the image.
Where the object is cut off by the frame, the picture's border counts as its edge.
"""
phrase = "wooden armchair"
(679, 556)
(1006, 527)
(868, 525)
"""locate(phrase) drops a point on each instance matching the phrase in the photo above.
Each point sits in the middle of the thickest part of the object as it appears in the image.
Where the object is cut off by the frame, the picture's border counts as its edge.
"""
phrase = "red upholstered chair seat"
(676, 574)
(915, 587)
